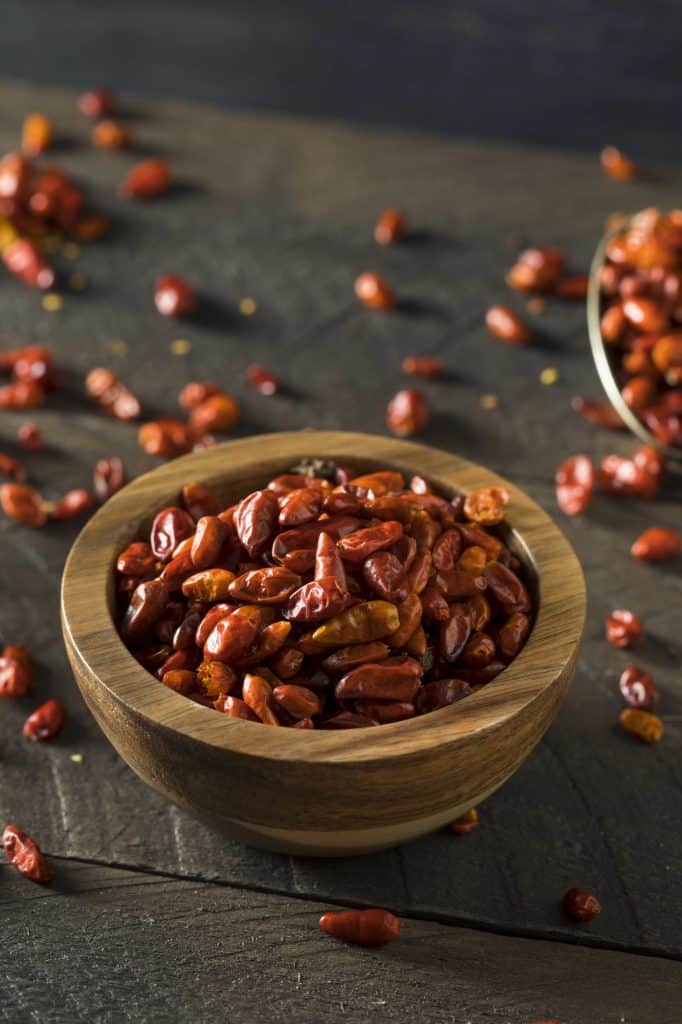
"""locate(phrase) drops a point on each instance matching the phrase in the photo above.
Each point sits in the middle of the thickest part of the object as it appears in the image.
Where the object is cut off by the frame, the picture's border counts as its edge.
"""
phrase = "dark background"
(572, 73)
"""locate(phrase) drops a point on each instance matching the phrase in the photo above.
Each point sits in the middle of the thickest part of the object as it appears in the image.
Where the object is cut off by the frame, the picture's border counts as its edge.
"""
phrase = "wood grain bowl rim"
(91, 635)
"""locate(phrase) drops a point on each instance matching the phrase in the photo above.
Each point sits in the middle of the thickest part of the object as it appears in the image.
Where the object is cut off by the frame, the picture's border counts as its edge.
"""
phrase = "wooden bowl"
(319, 792)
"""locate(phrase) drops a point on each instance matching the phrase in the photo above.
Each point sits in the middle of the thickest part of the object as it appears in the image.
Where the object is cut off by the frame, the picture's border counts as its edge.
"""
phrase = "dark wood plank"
(282, 210)
(111, 945)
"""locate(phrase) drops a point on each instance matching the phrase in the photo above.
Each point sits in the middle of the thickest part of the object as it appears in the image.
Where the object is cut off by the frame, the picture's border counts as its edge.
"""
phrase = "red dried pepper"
(370, 928)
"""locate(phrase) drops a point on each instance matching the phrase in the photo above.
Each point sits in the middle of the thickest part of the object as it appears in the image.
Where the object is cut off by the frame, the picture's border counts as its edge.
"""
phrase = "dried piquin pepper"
(36, 134)
(33, 364)
(657, 544)
(16, 671)
(219, 412)
(371, 928)
(574, 483)
(147, 180)
(373, 292)
(108, 477)
(29, 437)
(90, 227)
(638, 688)
(598, 411)
(623, 628)
(468, 822)
(174, 297)
(639, 476)
(23, 503)
(643, 724)
(22, 395)
(46, 722)
(617, 165)
(289, 610)
(96, 103)
(506, 325)
(407, 413)
(72, 504)
(25, 855)
(167, 438)
(24, 259)
(423, 366)
(390, 227)
(580, 905)
(194, 393)
(262, 379)
(536, 270)
(111, 394)
(110, 134)
(486, 506)
(572, 288)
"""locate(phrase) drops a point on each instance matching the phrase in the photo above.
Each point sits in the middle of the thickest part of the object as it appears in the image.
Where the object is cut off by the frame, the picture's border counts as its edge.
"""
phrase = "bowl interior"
(234, 469)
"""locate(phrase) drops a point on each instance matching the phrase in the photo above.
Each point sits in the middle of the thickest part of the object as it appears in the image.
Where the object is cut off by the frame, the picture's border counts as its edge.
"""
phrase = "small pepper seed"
(180, 347)
(52, 302)
(489, 401)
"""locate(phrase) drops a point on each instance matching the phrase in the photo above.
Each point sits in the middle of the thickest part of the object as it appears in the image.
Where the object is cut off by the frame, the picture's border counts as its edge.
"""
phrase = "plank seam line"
(592, 942)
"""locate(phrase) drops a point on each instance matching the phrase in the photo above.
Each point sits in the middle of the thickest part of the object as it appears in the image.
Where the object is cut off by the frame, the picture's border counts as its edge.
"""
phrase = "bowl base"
(343, 843)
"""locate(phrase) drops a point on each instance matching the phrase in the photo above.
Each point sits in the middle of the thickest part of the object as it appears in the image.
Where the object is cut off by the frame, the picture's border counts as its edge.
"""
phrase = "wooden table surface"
(153, 914)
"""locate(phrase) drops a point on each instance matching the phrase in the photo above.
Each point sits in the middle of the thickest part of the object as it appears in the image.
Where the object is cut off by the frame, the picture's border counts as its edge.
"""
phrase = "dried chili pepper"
(218, 412)
(16, 671)
(24, 259)
(174, 297)
(643, 724)
(617, 165)
(580, 905)
(25, 855)
(657, 544)
(110, 134)
(407, 413)
(111, 394)
(506, 325)
(623, 628)
(36, 134)
(390, 227)
(147, 180)
(46, 722)
(374, 293)
(371, 928)
(96, 103)
(638, 688)
(108, 477)
(468, 822)
(23, 503)
(262, 379)
(574, 484)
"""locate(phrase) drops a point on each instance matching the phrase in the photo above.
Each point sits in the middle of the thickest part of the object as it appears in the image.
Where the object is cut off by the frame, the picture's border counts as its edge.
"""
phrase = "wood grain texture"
(336, 792)
(136, 947)
(282, 210)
